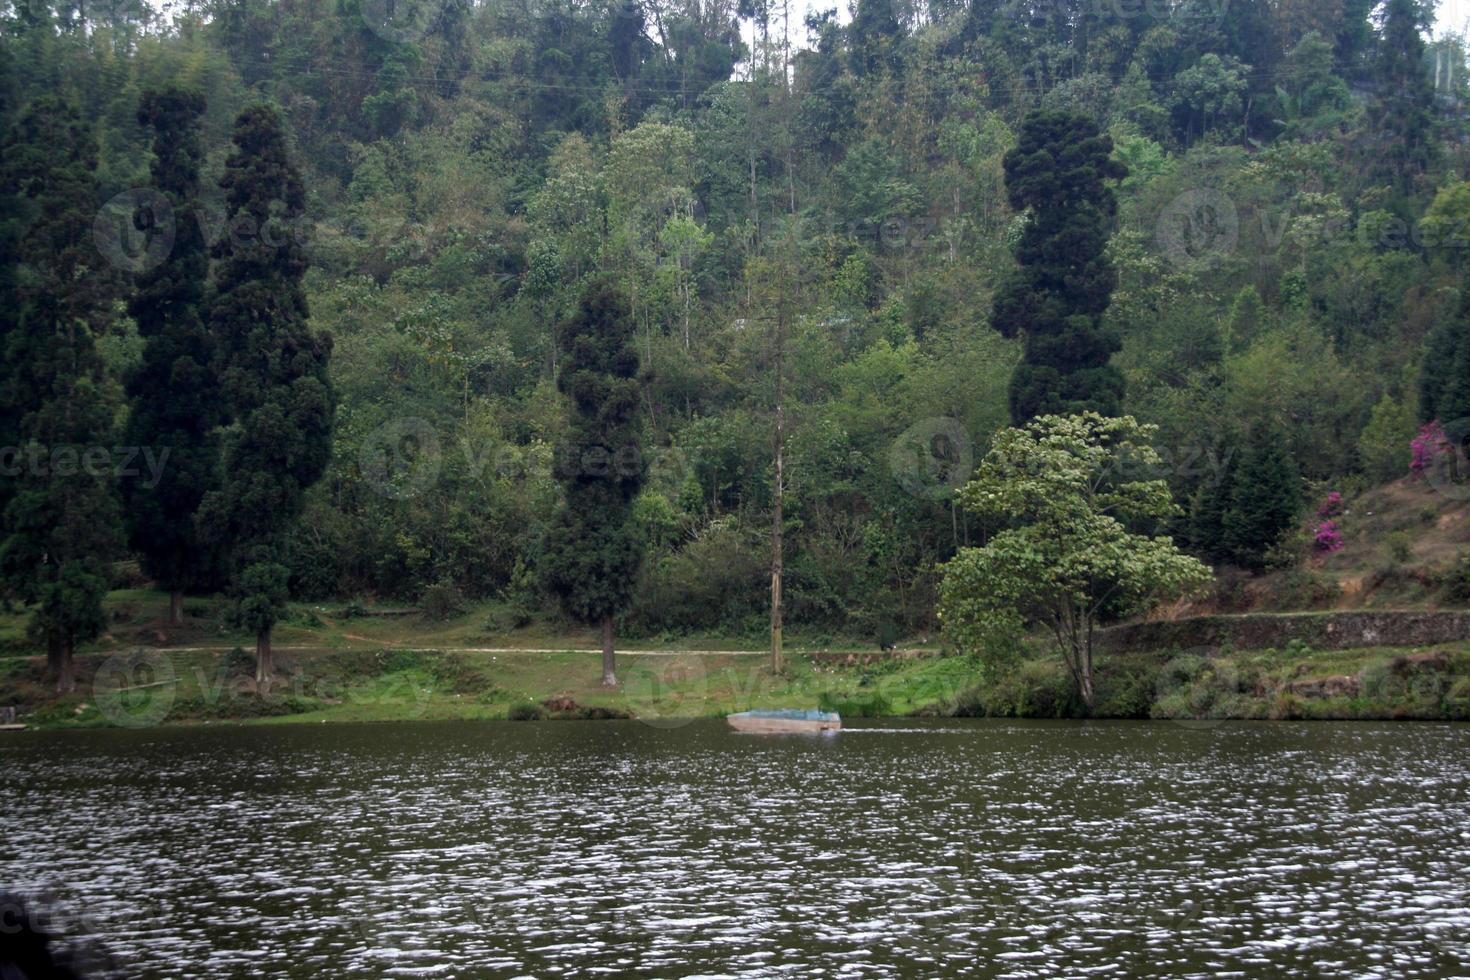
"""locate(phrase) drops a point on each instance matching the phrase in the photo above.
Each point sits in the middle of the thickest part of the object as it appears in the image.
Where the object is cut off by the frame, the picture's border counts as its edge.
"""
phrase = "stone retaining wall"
(1322, 631)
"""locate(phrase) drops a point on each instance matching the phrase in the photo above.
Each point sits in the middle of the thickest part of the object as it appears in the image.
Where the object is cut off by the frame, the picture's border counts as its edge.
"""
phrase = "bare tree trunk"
(778, 660)
(264, 658)
(1088, 695)
(59, 664)
(609, 674)
(176, 608)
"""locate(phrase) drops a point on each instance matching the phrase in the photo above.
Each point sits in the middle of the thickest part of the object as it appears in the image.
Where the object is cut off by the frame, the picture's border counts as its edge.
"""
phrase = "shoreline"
(185, 686)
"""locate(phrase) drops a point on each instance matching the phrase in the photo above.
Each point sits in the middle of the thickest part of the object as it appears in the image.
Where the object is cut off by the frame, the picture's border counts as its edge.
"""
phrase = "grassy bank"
(148, 687)
(344, 663)
(1295, 682)
(159, 687)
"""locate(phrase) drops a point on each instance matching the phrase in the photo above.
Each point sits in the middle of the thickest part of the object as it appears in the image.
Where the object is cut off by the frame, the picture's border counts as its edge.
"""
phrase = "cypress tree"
(1265, 497)
(273, 376)
(60, 511)
(1058, 174)
(173, 393)
(593, 548)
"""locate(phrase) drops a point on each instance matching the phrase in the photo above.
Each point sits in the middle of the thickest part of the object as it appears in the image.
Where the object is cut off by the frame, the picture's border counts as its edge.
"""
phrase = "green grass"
(338, 669)
(137, 617)
(395, 685)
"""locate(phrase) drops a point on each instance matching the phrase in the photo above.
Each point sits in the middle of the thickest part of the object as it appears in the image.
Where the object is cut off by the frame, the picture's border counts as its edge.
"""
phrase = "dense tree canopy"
(1211, 224)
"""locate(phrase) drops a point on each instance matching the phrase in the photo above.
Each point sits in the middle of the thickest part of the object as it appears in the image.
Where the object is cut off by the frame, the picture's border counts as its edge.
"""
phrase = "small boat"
(784, 720)
(12, 728)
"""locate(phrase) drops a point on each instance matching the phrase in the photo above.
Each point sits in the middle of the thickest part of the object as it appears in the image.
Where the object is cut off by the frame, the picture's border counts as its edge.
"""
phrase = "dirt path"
(287, 648)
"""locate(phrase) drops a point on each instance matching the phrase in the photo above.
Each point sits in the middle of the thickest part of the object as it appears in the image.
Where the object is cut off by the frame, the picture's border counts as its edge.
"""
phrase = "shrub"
(1328, 537)
(1456, 580)
(529, 711)
(238, 663)
(442, 600)
(1430, 450)
(1331, 506)
(1399, 548)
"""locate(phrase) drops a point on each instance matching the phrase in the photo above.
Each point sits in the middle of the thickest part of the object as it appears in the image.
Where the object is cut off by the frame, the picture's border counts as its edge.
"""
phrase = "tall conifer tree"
(273, 375)
(173, 393)
(594, 548)
(1265, 497)
(60, 509)
(1058, 173)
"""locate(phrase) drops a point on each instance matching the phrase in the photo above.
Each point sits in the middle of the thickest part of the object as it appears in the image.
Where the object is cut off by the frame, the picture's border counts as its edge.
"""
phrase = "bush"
(506, 617)
(1398, 545)
(238, 663)
(526, 711)
(442, 600)
(1456, 581)
(721, 579)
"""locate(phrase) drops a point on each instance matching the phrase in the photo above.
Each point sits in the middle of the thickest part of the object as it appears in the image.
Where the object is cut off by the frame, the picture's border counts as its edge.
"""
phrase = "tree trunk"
(59, 664)
(1085, 674)
(609, 675)
(176, 608)
(778, 661)
(264, 658)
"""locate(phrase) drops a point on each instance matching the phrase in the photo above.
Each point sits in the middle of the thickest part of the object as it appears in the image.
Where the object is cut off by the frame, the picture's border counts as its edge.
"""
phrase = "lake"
(894, 849)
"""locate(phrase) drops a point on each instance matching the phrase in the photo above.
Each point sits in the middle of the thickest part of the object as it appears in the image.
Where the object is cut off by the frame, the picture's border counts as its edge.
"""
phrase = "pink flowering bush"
(1329, 537)
(1427, 447)
(1332, 506)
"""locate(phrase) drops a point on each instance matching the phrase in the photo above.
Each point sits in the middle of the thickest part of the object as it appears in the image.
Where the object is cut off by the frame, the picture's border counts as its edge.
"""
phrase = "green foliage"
(1265, 498)
(1383, 447)
(174, 392)
(594, 548)
(1058, 174)
(273, 376)
(1074, 551)
(56, 403)
(441, 601)
(466, 185)
(1444, 378)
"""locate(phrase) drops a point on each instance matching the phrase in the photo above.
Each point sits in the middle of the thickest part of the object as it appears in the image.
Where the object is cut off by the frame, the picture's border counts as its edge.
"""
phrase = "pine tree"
(1265, 497)
(1058, 174)
(273, 376)
(173, 393)
(594, 548)
(1207, 508)
(60, 511)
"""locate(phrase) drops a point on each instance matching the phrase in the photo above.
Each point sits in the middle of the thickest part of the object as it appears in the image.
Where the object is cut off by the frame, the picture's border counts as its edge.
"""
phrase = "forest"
(303, 296)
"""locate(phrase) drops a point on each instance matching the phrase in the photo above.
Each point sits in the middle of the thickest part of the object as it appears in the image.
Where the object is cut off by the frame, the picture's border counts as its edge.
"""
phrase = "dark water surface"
(601, 849)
